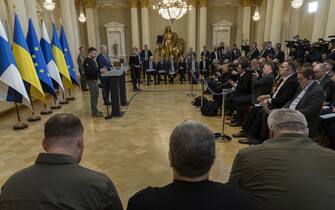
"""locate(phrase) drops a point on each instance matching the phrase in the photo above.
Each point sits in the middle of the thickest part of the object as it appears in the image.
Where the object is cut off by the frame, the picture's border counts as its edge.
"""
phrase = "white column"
(202, 26)
(74, 18)
(134, 24)
(91, 38)
(330, 28)
(4, 17)
(239, 31)
(96, 27)
(20, 10)
(259, 25)
(32, 13)
(319, 27)
(246, 23)
(191, 28)
(294, 22)
(276, 21)
(145, 23)
(268, 17)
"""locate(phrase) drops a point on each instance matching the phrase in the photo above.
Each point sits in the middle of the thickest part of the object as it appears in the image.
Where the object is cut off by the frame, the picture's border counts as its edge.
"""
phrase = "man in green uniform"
(56, 180)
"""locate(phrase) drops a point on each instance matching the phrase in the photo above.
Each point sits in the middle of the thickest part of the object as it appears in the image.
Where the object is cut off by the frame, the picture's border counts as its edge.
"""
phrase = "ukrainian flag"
(68, 57)
(25, 63)
(60, 59)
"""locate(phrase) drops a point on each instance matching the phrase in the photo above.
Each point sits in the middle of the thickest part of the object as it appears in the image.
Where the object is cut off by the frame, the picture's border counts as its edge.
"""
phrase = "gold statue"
(172, 45)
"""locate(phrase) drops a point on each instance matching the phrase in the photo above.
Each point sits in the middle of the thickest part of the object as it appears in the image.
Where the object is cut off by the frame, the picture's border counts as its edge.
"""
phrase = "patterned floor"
(131, 150)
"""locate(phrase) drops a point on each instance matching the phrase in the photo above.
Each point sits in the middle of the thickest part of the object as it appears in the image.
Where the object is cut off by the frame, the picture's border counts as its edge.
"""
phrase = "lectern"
(123, 90)
(114, 77)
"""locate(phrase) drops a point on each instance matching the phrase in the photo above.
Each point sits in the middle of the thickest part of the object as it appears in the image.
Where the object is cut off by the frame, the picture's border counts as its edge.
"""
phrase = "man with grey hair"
(104, 62)
(288, 171)
(323, 79)
(192, 153)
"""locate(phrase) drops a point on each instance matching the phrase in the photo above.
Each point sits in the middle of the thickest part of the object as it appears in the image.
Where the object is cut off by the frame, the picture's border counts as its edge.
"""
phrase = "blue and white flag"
(50, 59)
(11, 83)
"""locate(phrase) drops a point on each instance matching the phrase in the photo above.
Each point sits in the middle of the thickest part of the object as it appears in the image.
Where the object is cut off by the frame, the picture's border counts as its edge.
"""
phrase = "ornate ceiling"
(125, 3)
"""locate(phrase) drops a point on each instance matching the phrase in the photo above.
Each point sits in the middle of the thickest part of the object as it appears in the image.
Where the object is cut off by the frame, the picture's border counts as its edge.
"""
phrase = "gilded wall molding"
(133, 3)
(203, 3)
(144, 3)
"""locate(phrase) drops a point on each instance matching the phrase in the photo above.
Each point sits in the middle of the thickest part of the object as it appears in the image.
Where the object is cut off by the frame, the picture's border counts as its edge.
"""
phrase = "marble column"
(4, 17)
(202, 25)
(32, 13)
(239, 30)
(330, 27)
(294, 22)
(92, 35)
(319, 27)
(246, 20)
(19, 7)
(276, 21)
(145, 23)
(74, 18)
(191, 25)
(268, 18)
(259, 25)
(134, 24)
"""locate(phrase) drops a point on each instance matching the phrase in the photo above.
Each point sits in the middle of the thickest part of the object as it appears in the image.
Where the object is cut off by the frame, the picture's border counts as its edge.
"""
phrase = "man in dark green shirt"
(56, 180)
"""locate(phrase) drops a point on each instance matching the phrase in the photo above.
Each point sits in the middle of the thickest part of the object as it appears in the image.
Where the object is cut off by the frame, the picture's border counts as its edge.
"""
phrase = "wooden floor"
(131, 150)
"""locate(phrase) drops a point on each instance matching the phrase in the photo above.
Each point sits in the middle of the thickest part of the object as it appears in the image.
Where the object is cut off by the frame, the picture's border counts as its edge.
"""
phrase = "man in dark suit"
(241, 89)
(308, 100)
(145, 56)
(322, 78)
(193, 69)
(330, 64)
(278, 53)
(283, 90)
(56, 180)
(221, 50)
(172, 69)
(205, 52)
(161, 69)
(135, 68)
(254, 52)
(215, 55)
(331, 55)
(289, 171)
(104, 62)
(150, 68)
(263, 50)
(191, 155)
(235, 52)
(269, 49)
(204, 66)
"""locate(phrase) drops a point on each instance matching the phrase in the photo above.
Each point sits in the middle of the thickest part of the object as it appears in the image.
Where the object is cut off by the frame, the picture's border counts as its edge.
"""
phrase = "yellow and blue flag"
(68, 58)
(50, 59)
(60, 59)
(38, 59)
(11, 84)
(25, 63)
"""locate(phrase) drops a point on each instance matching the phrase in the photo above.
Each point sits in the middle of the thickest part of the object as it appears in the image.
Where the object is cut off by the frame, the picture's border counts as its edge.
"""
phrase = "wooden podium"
(123, 90)
(114, 77)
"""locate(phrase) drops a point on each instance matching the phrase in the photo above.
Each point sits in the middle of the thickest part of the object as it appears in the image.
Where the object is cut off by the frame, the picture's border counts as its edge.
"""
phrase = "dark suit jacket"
(327, 86)
(262, 86)
(174, 66)
(285, 93)
(161, 66)
(213, 57)
(103, 61)
(254, 54)
(280, 55)
(181, 67)
(201, 65)
(146, 65)
(243, 86)
(189, 66)
(206, 53)
(288, 172)
(310, 106)
(143, 54)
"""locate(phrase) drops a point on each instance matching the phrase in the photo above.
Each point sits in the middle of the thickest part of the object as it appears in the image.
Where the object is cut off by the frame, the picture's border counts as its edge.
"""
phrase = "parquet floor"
(131, 150)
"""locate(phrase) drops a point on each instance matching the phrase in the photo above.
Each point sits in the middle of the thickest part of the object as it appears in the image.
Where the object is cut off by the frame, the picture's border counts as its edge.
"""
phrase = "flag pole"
(20, 125)
(55, 106)
(70, 98)
(46, 110)
(34, 117)
(64, 101)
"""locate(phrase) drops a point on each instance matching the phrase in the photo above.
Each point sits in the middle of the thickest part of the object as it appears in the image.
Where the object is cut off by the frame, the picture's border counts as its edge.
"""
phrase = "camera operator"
(331, 55)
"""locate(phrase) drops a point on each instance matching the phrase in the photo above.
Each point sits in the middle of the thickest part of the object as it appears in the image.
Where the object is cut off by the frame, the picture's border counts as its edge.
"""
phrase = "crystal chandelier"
(81, 17)
(296, 4)
(49, 5)
(172, 9)
(256, 15)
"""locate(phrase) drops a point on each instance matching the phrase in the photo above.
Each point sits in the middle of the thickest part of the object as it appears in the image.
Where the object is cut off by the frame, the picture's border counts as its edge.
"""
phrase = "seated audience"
(323, 79)
(193, 69)
(254, 52)
(283, 90)
(56, 180)
(279, 54)
(182, 69)
(150, 68)
(289, 171)
(204, 67)
(191, 154)
(161, 69)
(172, 69)
(330, 64)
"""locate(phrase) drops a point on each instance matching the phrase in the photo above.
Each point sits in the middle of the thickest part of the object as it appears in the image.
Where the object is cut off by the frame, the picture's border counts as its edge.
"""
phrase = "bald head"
(319, 71)
(103, 49)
